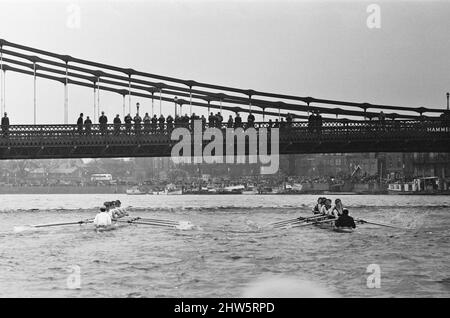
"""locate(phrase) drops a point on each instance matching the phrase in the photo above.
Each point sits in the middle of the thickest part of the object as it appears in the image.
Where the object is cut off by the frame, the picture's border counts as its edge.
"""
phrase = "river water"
(230, 252)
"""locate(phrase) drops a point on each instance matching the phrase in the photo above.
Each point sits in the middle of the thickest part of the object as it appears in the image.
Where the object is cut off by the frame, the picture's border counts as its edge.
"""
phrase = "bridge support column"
(123, 105)
(98, 96)
(2, 106)
(95, 107)
(190, 100)
(153, 104)
(129, 93)
(160, 101)
(34, 91)
(66, 96)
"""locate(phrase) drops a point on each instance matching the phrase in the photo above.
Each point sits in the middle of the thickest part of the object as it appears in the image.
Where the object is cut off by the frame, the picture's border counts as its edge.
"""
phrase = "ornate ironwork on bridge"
(399, 128)
(68, 141)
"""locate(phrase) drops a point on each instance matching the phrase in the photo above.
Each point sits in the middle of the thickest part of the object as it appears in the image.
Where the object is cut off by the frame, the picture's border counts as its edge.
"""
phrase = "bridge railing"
(288, 131)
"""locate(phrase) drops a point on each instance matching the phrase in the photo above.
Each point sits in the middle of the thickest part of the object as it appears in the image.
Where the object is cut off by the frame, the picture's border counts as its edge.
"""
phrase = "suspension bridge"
(345, 126)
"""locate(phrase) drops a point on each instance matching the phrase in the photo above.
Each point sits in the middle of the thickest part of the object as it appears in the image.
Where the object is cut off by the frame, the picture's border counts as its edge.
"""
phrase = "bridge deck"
(66, 141)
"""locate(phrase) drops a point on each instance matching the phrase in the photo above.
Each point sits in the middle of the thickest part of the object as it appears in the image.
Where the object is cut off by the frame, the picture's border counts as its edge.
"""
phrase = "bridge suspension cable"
(170, 90)
(135, 93)
(216, 87)
(225, 97)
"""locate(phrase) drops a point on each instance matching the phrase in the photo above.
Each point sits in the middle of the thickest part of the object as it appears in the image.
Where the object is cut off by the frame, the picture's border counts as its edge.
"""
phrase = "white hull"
(135, 192)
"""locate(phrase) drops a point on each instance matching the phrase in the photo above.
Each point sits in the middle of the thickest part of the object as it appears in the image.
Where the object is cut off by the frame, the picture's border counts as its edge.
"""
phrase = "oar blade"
(184, 225)
(23, 228)
(381, 224)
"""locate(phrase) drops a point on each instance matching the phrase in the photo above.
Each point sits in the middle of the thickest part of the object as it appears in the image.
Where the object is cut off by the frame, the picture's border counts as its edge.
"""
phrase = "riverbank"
(63, 190)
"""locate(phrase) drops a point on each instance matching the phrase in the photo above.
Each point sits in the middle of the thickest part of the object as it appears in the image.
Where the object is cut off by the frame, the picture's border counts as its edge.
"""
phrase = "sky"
(323, 49)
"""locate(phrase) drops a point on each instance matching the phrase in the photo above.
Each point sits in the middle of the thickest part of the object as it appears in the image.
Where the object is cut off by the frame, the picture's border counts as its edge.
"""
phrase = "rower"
(338, 208)
(318, 206)
(108, 205)
(102, 219)
(326, 208)
(117, 212)
(345, 220)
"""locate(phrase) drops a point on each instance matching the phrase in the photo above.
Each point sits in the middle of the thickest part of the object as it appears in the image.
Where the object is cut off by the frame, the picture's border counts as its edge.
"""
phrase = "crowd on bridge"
(152, 124)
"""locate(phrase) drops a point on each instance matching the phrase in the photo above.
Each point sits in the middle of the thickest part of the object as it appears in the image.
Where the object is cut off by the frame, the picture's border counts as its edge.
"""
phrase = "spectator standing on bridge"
(219, 120)
(211, 120)
(193, 119)
(203, 119)
(250, 120)
(154, 123)
(289, 118)
(5, 125)
(137, 124)
(382, 120)
(230, 122)
(117, 122)
(80, 124)
(161, 121)
(87, 125)
(319, 122)
(128, 120)
(147, 123)
(270, 124)
(103, 121)
(276, 124)
(237, 121)
(312, 119)
(177, 121)
(186, 119)
(169, 120)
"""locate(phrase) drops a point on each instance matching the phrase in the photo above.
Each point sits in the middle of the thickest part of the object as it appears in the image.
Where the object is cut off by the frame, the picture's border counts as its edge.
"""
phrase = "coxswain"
(102, 219)
(345, 220)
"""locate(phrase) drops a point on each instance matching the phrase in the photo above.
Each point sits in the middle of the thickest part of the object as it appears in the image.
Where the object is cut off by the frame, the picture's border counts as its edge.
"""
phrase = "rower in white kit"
(102, 219)
(114, 209)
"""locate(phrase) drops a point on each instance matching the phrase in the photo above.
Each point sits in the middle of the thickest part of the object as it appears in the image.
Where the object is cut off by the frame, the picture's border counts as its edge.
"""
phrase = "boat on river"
(136, 191)
(326, 223)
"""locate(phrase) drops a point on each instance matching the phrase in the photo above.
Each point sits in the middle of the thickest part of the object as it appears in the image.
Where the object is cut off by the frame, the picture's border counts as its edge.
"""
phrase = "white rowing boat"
(112, 227)
(118, 223)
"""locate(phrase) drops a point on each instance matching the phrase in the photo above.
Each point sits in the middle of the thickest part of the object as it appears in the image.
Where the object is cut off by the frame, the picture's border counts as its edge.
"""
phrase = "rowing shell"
(343, 229)
(329, 226)
(112, 227)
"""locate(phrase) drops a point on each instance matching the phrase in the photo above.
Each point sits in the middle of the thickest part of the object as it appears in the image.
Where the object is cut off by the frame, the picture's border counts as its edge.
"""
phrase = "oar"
(381, 224)
(182, 225)
(284, 221)
(300, 220)
(27, 227)
(148, 223)
(158, 220)
(314, 223)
